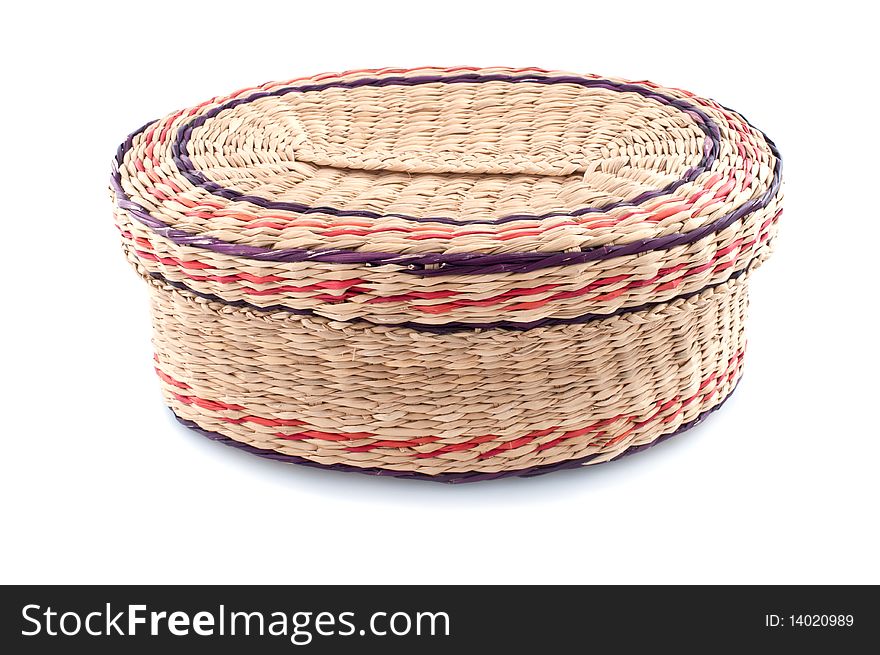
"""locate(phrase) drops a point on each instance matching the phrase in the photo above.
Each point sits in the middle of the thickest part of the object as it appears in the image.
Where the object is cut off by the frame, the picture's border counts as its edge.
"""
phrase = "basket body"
(448, 275)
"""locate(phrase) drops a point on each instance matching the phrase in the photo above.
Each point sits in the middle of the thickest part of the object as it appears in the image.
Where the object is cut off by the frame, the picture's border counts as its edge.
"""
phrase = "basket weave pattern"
(448, 273)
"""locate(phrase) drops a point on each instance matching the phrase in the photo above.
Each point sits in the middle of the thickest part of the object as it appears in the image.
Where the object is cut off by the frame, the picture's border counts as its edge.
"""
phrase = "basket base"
(448, 478)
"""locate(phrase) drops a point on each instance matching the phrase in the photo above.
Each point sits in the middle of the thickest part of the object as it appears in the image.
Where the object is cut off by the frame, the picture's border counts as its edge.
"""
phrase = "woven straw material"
(448, 273)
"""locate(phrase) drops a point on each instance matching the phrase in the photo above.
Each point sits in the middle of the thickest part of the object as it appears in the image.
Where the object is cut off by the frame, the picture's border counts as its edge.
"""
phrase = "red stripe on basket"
(170, 380)
(353, 290)
(265, 279)
(740, 245)
(598, 429)
(453, 448)
(212, 405)
(666, 212)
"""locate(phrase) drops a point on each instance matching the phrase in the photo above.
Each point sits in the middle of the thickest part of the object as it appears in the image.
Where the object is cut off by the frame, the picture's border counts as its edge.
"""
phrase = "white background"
(99, 484)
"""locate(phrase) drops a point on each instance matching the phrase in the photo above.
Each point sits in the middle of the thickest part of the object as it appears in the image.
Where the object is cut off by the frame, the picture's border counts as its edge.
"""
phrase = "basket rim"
(429, 264)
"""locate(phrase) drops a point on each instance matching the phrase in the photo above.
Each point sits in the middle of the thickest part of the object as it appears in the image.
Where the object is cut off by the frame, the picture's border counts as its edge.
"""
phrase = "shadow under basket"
(448, 274)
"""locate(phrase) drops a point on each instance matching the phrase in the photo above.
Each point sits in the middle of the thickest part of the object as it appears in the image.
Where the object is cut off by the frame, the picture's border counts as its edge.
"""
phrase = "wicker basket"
(449, 274)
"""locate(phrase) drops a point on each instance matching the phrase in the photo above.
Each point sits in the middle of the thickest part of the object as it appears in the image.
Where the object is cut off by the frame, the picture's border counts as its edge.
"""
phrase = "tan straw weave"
(451, 274)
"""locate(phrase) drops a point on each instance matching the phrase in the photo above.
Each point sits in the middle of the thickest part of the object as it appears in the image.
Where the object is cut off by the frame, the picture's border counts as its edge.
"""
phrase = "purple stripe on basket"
(449, 263)
(451, 478)
(453, 326)
(180, 152)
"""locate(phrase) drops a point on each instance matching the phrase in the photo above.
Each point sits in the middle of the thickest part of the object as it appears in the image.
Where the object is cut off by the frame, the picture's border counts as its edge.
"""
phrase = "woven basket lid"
(449, 197)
